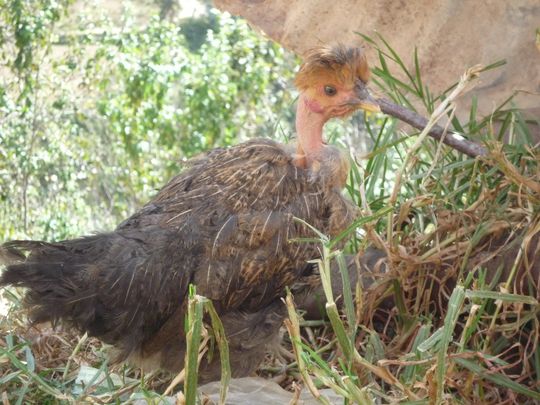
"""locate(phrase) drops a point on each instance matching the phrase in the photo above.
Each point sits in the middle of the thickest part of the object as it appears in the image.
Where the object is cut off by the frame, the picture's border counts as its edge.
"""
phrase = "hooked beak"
(363, 100)
(368, 104)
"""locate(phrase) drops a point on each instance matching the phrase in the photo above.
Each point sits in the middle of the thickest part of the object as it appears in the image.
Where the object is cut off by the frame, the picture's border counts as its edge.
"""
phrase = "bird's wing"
(237, 206)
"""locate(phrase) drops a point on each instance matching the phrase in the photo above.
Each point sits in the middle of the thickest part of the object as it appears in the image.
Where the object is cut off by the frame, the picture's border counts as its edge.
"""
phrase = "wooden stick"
(452, 139)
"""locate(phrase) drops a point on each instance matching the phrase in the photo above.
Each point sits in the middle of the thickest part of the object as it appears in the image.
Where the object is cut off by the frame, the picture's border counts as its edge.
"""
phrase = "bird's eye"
(330, 90)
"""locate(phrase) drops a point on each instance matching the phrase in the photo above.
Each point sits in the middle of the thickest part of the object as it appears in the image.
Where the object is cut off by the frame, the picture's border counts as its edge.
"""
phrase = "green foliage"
(195, 30)
(92, 124)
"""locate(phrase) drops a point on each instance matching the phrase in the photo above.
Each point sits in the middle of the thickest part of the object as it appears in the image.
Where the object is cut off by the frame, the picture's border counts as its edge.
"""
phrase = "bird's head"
(334, 79)
(332, 83)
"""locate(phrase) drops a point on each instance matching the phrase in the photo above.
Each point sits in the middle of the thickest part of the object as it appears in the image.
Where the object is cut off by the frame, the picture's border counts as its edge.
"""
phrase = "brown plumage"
(225, 224)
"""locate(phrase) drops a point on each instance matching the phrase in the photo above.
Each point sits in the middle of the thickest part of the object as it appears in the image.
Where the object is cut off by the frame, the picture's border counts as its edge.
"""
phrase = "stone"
(450, 36)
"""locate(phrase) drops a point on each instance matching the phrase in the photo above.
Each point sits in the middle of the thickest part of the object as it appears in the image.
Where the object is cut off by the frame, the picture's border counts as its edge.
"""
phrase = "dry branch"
(452, 139)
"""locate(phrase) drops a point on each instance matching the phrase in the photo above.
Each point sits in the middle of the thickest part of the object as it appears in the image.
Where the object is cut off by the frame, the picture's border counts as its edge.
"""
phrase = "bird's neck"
(310, 121)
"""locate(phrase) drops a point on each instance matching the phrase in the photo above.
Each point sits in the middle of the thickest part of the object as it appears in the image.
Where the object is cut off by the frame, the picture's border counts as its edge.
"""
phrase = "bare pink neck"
(310, 121)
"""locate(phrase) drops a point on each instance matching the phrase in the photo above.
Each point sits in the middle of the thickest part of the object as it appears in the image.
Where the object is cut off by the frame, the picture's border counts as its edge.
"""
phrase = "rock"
(450, 37)
(256, 390)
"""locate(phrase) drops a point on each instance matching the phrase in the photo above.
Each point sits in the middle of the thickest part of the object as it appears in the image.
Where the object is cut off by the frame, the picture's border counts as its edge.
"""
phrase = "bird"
(226, 224)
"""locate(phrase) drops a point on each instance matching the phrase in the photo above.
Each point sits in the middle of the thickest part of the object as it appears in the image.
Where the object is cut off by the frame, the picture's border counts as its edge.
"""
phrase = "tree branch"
(452, 139)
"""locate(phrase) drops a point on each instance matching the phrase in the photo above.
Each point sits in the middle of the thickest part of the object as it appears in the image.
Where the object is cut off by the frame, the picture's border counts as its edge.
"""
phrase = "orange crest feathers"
(332, 63)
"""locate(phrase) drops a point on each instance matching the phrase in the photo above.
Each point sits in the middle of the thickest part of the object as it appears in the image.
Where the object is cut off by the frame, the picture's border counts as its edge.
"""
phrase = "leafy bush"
(92, 123)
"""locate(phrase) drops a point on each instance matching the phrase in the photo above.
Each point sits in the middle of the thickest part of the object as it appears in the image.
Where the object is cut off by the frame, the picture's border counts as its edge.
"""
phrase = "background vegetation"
(98, 113)
(99, 109)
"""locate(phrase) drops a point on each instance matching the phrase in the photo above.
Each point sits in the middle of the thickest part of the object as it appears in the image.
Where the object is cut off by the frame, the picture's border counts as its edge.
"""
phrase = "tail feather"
(50, 272)
(12, 252)
(59, 279)
(115, 286)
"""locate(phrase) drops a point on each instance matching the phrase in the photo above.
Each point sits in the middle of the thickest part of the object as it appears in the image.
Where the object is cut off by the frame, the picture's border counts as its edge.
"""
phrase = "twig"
(415, 120)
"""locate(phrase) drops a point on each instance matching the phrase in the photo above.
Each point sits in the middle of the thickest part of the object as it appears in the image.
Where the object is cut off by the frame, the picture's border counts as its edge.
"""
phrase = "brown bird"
(224, 224)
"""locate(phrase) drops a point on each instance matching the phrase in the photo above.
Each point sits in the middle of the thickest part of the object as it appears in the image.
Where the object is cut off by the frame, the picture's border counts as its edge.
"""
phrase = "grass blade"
(454, 308)
(496, 378)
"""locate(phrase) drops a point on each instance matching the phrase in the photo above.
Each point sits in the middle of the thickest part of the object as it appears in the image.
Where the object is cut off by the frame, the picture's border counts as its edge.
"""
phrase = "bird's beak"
(369, 104)
(363, 100)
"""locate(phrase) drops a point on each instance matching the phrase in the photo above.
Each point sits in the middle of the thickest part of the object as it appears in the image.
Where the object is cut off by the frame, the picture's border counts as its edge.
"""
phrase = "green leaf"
(497, 378)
